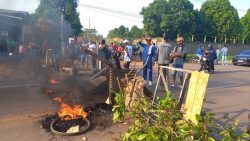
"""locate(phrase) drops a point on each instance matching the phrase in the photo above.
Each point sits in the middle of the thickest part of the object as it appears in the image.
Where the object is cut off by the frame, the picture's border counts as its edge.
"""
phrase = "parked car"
(242, 59)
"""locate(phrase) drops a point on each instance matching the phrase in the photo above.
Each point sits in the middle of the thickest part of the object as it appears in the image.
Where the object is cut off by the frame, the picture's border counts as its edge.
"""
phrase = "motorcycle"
(205, 63)
(11, 52)
(137, 56)
(194, 59)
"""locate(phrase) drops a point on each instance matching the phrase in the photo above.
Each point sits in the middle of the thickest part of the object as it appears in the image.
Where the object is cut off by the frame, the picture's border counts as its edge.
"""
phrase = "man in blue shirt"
(148, 55)
(199, 51)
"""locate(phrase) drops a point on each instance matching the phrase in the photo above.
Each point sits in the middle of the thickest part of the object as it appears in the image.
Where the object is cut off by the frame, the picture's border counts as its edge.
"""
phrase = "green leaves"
(163, 121)
(142, 137)
(123, 32)
(173, 17)
(211, 139)
(119, 107)
(224, 22)
(245, 21)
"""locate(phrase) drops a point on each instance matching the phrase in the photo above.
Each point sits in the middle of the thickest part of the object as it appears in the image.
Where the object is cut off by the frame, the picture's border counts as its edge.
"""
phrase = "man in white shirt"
(128, 54)
(92, 47)
(224, 51)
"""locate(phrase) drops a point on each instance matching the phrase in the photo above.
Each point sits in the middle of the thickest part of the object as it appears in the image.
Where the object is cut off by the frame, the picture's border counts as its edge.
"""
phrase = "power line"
(113, 15)
(111, 10)
(116, 4)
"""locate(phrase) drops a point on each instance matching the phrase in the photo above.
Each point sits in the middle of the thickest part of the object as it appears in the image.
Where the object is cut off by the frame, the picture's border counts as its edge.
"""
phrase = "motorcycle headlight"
(204, 59)
(10, 53)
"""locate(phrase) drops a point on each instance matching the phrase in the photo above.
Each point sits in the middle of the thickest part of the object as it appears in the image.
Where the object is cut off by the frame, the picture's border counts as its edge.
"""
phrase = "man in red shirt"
(117, 55)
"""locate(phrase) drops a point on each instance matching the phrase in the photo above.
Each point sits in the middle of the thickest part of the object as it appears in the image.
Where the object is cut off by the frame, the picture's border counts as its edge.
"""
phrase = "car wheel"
(234, 63)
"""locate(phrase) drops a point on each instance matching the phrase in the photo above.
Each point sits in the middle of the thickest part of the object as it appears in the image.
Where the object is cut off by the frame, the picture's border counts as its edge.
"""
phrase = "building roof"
(13, 17)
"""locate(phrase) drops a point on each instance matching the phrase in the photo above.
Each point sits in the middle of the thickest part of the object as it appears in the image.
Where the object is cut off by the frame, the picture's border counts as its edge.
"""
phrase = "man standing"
(212, 53)
(163, 53)
(218, 52)
(128, 54)
(116, 55)
(148, 59)
(92, 47)
(21, 54)
(178, 60)
(224, 51)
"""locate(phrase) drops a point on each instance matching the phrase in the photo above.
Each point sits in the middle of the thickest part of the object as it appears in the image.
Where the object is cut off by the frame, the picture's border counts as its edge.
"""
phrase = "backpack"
(184, 56)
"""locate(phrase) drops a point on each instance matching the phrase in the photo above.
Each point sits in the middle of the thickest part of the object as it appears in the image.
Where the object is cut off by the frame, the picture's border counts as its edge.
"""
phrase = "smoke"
(20, 5)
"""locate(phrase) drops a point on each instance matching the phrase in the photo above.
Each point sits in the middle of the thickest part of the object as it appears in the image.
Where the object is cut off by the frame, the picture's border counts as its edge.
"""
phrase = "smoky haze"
(20, 5)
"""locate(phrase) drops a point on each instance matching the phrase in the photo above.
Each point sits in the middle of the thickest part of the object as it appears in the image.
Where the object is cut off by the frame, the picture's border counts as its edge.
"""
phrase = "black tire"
(234, 63)
(69, 134)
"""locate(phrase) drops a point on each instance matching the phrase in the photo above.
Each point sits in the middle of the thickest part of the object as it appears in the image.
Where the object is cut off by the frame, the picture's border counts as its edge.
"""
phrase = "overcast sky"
(105, 15)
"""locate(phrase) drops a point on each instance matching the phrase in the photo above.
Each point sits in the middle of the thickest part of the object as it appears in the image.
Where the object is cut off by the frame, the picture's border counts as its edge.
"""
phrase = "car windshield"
(245, 52)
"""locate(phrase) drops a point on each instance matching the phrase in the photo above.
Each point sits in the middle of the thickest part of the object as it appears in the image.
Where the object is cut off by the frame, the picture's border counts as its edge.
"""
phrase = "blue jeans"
(148, 69)
(83, 57)
(180, 66)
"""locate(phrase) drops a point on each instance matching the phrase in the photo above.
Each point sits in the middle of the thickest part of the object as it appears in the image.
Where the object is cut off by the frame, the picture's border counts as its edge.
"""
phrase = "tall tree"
(201, 27)
(152, 17)
(72, 16)
(91, 34)
(120, 32)
(222, 18)
(172, 16)
(135, 32)
(181, 17)
(245, 21)
(49, 10)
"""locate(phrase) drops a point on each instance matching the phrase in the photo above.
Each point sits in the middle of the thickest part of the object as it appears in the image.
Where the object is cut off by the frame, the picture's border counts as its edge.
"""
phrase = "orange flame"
(53, 81)
(68, 113)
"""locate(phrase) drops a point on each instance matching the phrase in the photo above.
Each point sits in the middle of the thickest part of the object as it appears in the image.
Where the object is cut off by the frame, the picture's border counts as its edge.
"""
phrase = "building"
(12, 24)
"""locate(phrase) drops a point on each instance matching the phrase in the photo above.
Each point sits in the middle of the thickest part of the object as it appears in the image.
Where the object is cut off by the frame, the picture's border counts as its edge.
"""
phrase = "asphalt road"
(22, 104)
(228, 91)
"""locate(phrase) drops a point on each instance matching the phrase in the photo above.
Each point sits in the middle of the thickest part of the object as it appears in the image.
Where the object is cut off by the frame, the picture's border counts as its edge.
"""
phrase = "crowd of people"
(165, 54)
(213, 55)
(162, 54)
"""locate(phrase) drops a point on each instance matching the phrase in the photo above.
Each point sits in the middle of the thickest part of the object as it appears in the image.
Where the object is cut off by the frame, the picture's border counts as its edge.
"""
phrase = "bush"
(164, 121)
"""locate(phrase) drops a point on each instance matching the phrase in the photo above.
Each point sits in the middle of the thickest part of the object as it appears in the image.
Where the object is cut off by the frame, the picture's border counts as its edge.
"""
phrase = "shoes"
(150, 83)
(145, 82)
(180, 87)
(172, 85)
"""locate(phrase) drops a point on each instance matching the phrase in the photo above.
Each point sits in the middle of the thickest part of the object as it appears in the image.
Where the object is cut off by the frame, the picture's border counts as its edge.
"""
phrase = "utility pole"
(62, 4)
(62, 32)
(89, 30)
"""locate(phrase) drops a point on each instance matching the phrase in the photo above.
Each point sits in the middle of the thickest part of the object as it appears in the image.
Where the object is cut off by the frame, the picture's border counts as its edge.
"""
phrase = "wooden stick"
(164, 80)
(176, 69)
(118, 83)
(183, 90)
(157, 84)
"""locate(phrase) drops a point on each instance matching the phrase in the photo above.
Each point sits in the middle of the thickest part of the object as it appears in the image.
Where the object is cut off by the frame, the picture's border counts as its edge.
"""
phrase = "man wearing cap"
(148, 55)
(178, 60)
(163, 53)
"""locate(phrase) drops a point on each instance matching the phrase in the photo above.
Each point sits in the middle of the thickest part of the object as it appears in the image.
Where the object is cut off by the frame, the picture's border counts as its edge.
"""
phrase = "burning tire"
(65, 127)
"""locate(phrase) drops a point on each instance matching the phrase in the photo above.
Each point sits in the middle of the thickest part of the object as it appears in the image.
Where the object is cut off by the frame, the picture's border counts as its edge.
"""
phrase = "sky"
(105, 15)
